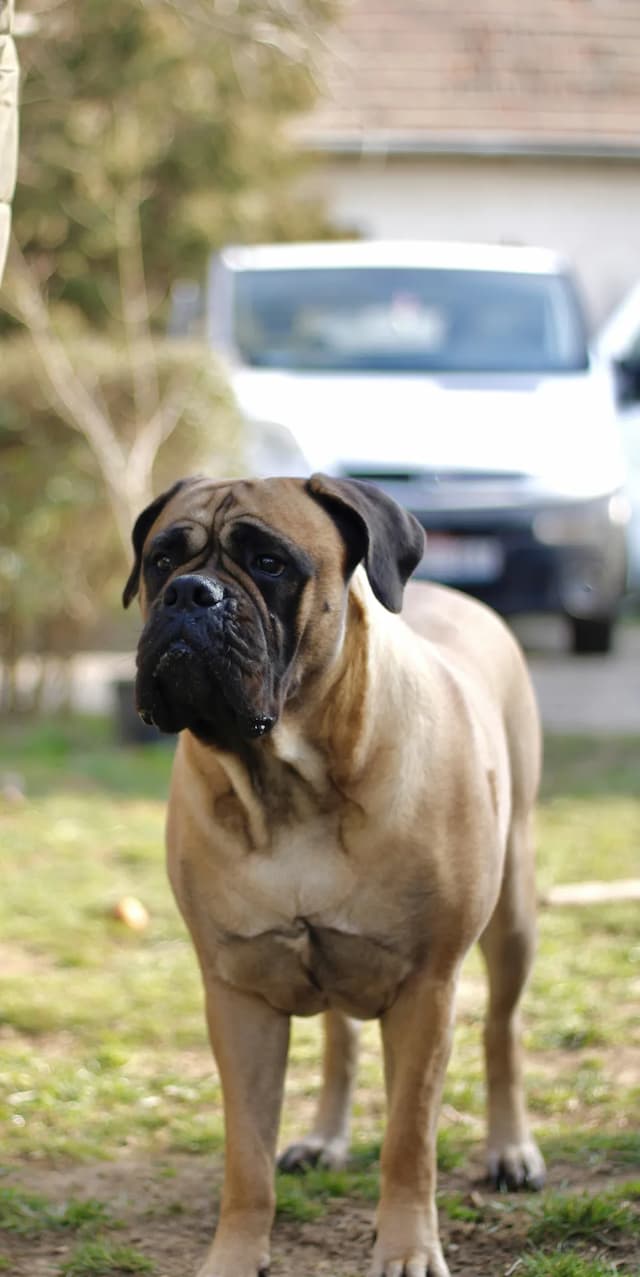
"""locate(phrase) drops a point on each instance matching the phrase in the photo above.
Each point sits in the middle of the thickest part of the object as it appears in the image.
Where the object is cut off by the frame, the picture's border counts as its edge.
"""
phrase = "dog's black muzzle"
(203, 663)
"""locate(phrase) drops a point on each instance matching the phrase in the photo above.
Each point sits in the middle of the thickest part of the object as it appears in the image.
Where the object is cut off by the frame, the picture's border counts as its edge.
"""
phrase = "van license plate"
(456, 559)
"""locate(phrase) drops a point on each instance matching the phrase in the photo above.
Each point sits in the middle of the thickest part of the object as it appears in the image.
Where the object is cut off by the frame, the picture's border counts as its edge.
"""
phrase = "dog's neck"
(329, 727)
(318, 740)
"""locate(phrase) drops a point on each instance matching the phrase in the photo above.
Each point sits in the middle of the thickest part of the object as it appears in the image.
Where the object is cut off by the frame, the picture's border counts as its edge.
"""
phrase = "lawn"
(110, 1106)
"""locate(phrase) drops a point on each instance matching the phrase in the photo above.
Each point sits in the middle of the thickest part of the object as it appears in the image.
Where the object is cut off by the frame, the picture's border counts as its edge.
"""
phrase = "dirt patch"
(167, 1211)
(16, 961)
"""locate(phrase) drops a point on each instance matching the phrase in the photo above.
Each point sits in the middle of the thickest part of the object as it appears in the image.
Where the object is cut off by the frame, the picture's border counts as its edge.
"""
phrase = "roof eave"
(380, 144)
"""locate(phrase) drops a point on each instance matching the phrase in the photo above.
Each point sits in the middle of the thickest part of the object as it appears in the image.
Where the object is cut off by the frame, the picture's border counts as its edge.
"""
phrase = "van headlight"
(582, 523)
(272, 451)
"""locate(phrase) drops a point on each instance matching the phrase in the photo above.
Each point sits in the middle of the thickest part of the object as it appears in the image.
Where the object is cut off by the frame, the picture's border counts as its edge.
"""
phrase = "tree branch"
(69, 394)
(276, 24)
(152, 435)
(135, 306)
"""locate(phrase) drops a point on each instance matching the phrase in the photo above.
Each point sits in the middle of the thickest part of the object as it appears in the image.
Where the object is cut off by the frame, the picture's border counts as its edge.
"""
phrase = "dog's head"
(243, 586)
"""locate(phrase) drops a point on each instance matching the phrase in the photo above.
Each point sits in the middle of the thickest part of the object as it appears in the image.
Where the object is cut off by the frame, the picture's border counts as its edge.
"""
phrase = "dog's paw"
(222, 1270)
(314, 1151)
(407, 1244)
(217, 1271)
(421, 1263)
(237, 1272)
(235, 1259)
(516, 1166)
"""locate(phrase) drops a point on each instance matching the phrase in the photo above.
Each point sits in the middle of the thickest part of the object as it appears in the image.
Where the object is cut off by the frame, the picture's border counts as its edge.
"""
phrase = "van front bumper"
(531, 560)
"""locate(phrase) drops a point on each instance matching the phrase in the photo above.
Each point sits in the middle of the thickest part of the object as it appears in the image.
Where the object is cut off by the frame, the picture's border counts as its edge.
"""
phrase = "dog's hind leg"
(508, 946)
(327, 1144)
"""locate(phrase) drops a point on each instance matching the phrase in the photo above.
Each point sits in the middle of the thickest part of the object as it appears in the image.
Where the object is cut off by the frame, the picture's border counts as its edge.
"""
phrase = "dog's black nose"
(192, 593)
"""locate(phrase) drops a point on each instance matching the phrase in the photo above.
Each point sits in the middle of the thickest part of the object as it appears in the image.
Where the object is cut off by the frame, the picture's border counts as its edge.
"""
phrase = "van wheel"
(592, 635)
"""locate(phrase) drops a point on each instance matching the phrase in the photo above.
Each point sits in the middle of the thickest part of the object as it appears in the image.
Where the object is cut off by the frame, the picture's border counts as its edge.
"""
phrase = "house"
(493, 121)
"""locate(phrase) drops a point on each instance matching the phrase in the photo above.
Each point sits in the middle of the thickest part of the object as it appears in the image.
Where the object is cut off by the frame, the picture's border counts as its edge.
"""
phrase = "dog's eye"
(270, 564)
(161, 562)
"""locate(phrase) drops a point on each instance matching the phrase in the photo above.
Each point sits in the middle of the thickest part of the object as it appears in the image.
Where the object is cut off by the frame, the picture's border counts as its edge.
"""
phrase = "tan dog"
(350, 810)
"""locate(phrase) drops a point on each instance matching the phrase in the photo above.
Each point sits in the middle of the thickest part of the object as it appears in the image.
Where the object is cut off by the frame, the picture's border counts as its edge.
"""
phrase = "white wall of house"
(589, 210)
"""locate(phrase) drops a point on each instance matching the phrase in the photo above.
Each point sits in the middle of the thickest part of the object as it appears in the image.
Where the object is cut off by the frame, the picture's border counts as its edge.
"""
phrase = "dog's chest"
(300, 926)
(304, 967)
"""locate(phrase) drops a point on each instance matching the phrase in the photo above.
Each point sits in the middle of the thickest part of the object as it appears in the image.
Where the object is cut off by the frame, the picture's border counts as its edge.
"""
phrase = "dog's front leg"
(416, 1035)
(250, 1042)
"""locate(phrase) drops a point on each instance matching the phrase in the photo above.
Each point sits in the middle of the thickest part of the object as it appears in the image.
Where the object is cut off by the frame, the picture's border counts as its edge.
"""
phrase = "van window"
(407, 320)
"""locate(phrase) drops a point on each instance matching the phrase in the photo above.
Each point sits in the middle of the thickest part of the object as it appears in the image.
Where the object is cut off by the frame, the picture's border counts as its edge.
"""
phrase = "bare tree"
(125, 457)
(151, 132)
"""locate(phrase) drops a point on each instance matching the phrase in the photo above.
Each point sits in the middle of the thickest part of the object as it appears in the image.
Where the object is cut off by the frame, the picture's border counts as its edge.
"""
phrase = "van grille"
(437, 476)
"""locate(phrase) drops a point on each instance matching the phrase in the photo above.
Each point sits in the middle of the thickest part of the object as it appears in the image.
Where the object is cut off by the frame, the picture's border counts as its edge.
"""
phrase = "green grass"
(92, 1066)
(457, 1206)
(104, 1051)
(29, 1214)
(101, 1259)
(619, 1149)
(566, 1264)
(295, 1199)
(81, 754)
(584, 1217)
(306, 1196)
(590, 767)
(318, 1185)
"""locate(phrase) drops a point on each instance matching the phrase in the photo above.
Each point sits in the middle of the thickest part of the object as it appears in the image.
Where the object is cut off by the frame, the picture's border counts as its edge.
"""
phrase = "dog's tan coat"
(384, 828)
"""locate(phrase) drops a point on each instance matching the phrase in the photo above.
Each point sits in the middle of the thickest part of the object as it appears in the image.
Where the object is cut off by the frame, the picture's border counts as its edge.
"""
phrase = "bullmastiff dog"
(350, 810)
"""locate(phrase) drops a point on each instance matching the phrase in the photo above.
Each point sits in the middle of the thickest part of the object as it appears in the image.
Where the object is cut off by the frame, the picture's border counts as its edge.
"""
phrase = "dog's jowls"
(350, 810)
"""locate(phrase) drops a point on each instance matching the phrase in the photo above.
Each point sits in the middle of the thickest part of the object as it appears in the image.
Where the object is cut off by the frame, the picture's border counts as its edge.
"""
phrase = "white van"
(618, 342)
(455, 376)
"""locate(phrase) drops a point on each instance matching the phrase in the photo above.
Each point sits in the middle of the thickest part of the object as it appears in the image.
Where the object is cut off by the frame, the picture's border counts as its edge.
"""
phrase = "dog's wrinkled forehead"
(338, 523)
(195, 500)
(281, 504)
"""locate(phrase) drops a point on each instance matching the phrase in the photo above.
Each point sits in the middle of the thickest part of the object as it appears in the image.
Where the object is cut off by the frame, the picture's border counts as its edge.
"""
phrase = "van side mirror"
(628, 378)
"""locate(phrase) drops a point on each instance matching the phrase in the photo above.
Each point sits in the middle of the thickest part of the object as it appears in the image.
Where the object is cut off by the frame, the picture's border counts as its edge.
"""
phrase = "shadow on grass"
(81, 753)
(591, 767)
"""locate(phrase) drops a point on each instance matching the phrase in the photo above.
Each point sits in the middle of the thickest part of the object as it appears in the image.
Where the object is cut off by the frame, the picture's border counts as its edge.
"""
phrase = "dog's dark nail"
(508, 1180)
(535, 1182)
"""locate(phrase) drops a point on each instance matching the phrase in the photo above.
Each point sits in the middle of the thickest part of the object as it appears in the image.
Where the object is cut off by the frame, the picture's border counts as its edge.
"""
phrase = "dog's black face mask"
(241, 589)
(216, 649)
(203, 663)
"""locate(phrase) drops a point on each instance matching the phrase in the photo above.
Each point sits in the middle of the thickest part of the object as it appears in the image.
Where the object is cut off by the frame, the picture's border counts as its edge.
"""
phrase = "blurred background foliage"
(167, 119)
(151, 132)
(61, 564)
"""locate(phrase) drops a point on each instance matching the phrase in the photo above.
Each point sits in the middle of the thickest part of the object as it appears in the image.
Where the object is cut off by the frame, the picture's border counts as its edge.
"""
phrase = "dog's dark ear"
(375, 528)
(140, 529)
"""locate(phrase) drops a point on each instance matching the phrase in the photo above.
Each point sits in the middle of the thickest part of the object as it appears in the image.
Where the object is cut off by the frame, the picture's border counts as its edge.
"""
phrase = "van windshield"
(383, 319)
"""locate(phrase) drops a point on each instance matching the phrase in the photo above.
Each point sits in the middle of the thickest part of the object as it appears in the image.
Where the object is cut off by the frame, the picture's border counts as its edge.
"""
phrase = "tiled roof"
(502, 74)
